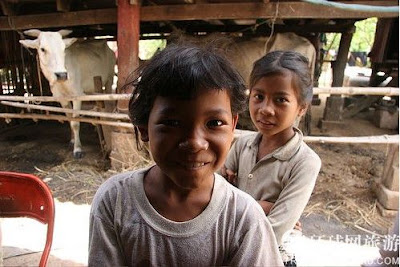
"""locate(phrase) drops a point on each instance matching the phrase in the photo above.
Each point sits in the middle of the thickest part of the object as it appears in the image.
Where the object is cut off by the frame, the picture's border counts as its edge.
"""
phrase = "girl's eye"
(215, 123)
(281, 100)
(43, 50)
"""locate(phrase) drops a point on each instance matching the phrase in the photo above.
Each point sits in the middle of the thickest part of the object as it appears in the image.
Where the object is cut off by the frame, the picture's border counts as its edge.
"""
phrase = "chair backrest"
(26, 195)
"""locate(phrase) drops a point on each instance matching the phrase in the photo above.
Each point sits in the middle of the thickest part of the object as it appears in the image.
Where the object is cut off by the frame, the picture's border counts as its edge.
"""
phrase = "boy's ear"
(144, 133)
(234, 121)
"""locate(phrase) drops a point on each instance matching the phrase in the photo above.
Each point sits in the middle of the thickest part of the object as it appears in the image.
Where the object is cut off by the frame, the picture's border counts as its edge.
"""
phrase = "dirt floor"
(343, 202)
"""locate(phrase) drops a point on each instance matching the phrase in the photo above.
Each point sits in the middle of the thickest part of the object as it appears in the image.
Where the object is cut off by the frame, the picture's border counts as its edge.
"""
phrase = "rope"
(271, 24)
(355, 7)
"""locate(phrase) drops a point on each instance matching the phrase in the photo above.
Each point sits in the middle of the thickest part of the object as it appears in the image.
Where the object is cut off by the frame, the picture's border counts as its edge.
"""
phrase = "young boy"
(179, 212)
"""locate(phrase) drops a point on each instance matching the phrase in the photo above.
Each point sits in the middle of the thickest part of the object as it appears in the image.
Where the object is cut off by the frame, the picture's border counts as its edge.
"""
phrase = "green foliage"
(332, 41)
(147, 48)
(363, 38)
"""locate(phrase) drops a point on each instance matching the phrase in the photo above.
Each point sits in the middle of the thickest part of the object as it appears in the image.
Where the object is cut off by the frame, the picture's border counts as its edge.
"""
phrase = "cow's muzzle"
(61, 76)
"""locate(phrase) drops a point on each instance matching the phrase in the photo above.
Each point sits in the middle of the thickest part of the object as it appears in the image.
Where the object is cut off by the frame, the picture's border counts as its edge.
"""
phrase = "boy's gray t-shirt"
(126, 230)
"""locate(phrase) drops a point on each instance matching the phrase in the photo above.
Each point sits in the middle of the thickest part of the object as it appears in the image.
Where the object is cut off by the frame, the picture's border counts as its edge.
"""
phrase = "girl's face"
(189, 139)
(274, 105)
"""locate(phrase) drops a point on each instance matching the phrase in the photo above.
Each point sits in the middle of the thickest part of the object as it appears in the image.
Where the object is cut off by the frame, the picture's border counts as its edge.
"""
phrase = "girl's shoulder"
(309, 152)
(245, 137)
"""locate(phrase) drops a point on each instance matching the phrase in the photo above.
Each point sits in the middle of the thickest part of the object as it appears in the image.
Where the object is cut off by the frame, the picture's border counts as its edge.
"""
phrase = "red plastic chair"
(26, 195)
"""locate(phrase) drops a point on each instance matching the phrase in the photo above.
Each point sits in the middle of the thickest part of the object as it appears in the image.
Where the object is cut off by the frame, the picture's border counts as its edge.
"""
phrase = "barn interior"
(159, 19)
(126, 22)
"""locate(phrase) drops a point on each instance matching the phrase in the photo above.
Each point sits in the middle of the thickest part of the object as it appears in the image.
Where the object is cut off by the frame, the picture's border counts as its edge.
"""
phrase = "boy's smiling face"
(189, 139)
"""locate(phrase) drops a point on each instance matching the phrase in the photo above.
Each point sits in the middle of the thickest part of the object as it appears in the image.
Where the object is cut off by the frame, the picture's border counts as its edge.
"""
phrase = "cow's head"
(51, 50)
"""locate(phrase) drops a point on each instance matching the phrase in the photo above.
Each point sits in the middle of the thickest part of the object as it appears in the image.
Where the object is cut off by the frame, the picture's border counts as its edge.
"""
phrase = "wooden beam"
(286, 10)
(59, 20)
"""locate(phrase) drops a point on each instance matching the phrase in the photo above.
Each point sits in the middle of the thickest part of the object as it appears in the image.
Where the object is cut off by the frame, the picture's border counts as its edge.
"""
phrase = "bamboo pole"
(60, 118)
(377, 139)
(101, 97)
(116, 116)
(386, 91)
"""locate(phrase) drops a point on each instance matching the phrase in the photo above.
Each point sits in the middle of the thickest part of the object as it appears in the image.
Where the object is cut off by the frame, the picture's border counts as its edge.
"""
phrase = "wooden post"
(339, 64)
(387, 190)
(122, 145)
(128, 45)
(334, 104)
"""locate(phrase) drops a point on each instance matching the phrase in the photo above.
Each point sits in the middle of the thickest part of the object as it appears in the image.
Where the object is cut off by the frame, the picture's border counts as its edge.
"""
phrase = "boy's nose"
(194, 143)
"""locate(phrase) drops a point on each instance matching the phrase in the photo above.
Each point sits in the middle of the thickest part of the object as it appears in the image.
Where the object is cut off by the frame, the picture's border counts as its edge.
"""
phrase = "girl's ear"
(144, 133)
(303, 110)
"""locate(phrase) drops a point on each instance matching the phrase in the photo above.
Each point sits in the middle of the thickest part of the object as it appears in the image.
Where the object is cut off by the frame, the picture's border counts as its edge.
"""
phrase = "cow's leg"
(75, 125)
(67, 105)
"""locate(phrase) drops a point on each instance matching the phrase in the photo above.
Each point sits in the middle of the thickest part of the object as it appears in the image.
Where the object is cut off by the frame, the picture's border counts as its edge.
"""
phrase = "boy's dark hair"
(279, 62)
(181, 70)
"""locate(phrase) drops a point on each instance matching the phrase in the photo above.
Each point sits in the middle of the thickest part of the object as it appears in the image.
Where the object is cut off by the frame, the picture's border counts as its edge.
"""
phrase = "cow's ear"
(32, 32)
(30, 43)
(144, 133)
(69, 41)
(64, 33)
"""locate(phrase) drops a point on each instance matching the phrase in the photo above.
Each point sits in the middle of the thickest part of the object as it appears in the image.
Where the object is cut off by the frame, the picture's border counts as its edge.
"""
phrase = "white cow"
(246, 52)
(70, 71)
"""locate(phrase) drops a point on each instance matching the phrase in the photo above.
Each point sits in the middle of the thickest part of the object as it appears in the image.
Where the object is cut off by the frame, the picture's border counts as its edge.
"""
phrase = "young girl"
(274, 165)
(179, 212)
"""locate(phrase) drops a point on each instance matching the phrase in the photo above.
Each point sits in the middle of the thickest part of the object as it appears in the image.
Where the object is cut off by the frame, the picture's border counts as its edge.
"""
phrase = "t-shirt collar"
(284, 152)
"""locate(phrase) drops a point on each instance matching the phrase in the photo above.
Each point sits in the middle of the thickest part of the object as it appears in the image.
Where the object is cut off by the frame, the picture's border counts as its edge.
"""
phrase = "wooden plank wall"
(18, 72)
(18, 67)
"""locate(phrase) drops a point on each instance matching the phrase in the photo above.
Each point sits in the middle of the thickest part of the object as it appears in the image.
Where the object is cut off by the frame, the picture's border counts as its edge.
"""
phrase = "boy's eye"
(258, 97)
(215, 123)
(172, 123)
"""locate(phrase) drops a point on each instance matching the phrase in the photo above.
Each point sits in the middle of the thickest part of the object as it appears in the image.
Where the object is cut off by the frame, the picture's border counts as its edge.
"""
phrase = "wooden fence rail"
(116, 116)
(36, 117)
(5, 100)
(385, 91)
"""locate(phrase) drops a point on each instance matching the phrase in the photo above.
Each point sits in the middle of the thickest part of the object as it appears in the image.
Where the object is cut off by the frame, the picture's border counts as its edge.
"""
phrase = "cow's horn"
(64, 33)
(33, 32)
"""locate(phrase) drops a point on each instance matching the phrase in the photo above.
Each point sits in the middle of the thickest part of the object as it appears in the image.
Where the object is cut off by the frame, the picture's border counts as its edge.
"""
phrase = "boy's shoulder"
(119, 183)
(243, 201)
(124, 177)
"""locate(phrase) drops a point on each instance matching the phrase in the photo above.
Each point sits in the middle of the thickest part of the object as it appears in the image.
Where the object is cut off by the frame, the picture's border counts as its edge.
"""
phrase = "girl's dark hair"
(181, 70)
(280, 62)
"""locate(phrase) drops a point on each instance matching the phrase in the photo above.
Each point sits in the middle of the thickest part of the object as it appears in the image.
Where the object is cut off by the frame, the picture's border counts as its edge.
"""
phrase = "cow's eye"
(43, 50)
